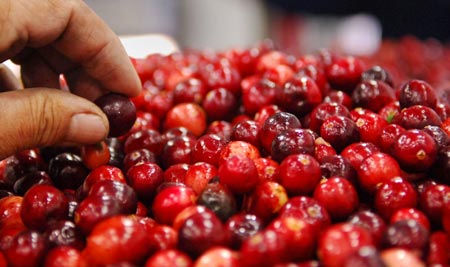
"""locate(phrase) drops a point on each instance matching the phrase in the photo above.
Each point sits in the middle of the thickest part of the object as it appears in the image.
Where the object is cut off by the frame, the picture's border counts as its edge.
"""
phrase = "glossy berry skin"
(344, 73)
(411, 214)
(238, 173)
(265, 248)
(67, 171)
(177, 150)
(266, 200)
(338, 196)
(137, 157)
(30, 179)
(439, 245)
(395, 194)
(207, 149)
(370, 221)
(274, 125)
(408, 234)
(356, 153)
(189, 115)
(299, 95)
(339, 131)
(117, 239)
(267, 169)
(119, 110)
(95, 155)
(10, 209)
(200, 232)
(325, 110)
(377, 168)
(145, 178)
(219, 104)
(218, 257)
(247, 131)
(415, 150)
(171, 201)
(336, 165)
(339, 241)
(339, 97)
(161, 237)
(417, 92)
(299, 165)
(241, 226)
(64, 256)
(433, 200)
(292, 141)
(377, 73)
(123, 193)
(28, 248)
(233, 148)
(369, 125)
(417, 117)
(169, 257)
(372, 94)
(388, 137)
(258, 94)
(190, 90)
(64, 233)
(149, 139)
(365, 256)
(41, 205)
(218, 199)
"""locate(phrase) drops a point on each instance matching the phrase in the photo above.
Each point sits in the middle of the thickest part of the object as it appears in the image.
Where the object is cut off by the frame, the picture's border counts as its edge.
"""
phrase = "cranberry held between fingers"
(41, 205)
(119, 110)
(299, 174)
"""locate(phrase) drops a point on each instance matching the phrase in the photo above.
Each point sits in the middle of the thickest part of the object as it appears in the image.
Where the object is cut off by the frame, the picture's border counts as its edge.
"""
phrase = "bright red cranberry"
(408, 234)
(417, 92)
(390, 111)
(411, 214)
(432, 200)
(28, 248)
(339, 241)
(274, 125)
(267, 169)
(301, 240)
(394, 194)
(64, 256)
(372, 94)
(338, 196)
(377, 73)
(241, 226)
(247, 131)
(220, 73)
(308, 209)
(266, 200)
(372, 222)
(265, 248)
(119, 110)
(67, 171)
(439, 245)
(356, 153)
(238, 173)
(199, 175)
(279, 74)
(377, 168)
(299, 95)
(299, 165)
(123, 193)
(189, 115)
(323, 149)
(370, 125)
(189, 90)
(10, 209)
(258, 94)
(365, 256)
(415, 150)
(145, 178)
(417, 117)
(158, 103)
(169, 257)
(344, 73)
(220, 128)
(148, 139)
(219, 200)
(95, 155)
(337, 165)
(315, 72)
(271, 60)
(233, 148)
(171, 201)
(30, 179)
(137, 157)
(292, 141)
(219, 104)
(117, 239)
(339, 97)
(218, 256)
(200, 232)
(207, 149)
(41, 205)
(104, 172)
(145, 121)
(20, 163)
(176, 173)
(161, 237)
(264, 113)
(177, 150)
(388, 137)
(339, 131)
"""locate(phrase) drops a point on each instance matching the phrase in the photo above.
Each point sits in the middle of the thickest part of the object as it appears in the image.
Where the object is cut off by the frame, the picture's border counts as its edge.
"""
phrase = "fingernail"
(86, 128)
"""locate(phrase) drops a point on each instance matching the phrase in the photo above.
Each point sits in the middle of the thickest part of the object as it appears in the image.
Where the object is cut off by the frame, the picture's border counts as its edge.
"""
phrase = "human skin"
(48, 38)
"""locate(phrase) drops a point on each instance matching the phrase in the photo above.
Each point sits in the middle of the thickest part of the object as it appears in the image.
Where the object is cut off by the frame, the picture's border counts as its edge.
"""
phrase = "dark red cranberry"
(415, 150)
(372, 222)
(417, 117)
(365, 256)
(19, 164)
(408, 234)
(241, 226)
(339, 97)
(190, 90)
(148, 139)
(377, 73)
(219, 104)
(292, 141)
(24, 183)
(247, 131)
(64, 233)
(67, 171)
(122, 192)
(28, 248)
(316, 73)
(207, 149)
(439, 135)
(372, 94)
(116, 151)
(119, 110)
(218, 199)
(432, 200)
(274, 125)
(177, 150)
(139, 156)
(417, 92)
(337, 165)
(339, 131)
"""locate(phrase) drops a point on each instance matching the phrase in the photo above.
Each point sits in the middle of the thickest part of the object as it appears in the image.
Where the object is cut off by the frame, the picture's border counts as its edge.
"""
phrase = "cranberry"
(233, 148)
(438, 248)
(377, 73)
(171, 201)
(64, 256)
(337, 165)
(274, 125)
(417, 117)
(28, 248)
(340, 241)
(442, 165)
(265, 248)
(411, 214)
(220, 73)
(30, 179)
(41, 205)
(338, 97)
(189, 90)
(372, 94)
(95, 155)
(169, 257)
(372, 222)
(323, 149)
(365, 256)
(377, 168)
(200, 232)
(389, 136)
(439, 135)
(158, 103)
(119, 110)
(264, 113)
(188, 115)
(356, 153)
(417, 92)
(176, 173)
(339, 131)
(207, 149)
(408, 234)
(267, 169)
(323, 111)
(432, 200)
(238, 173)
(344, 73)
(218, 199)
(10, 209)
(148, 139)
(415, 150)
(241, 226)
(64, 233)
(258, 94)
(247, 131)
(299, 165)
(394, 194)
(137, 157)
(266, 200)
(144, 121)
(292, 141)
(199, 175)
(218, 256)
(67, 171)
(177, 150)
(338, 196)
(145, 178)
(220, 128)
(122, 192)
(161, 237)
(219, 104)
(369, 124)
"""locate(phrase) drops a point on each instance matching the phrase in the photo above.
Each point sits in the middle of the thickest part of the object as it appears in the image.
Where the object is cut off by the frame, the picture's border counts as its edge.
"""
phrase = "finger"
(43, 117)
(80, 83)
(8, 81)
(35, 72)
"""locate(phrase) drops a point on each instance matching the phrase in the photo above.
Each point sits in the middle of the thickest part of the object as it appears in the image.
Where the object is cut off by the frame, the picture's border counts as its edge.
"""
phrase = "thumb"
(41, 117)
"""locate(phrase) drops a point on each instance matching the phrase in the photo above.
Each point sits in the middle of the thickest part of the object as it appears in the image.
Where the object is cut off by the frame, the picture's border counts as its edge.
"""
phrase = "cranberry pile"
(248, 157)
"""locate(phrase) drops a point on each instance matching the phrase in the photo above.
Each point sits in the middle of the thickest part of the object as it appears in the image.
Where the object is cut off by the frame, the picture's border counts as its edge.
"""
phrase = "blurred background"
(296, 26)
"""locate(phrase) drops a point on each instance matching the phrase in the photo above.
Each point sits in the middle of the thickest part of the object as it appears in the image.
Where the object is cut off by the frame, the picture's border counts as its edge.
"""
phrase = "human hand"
(48, 38)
